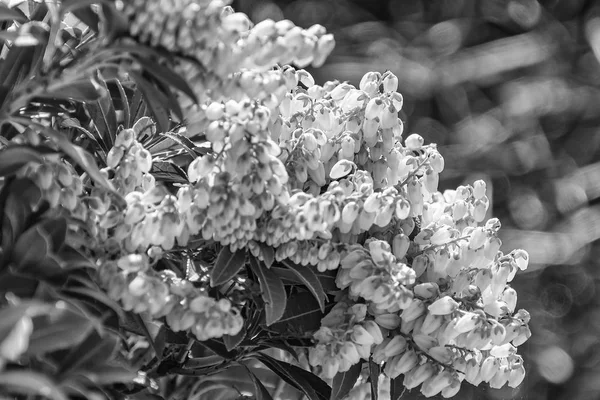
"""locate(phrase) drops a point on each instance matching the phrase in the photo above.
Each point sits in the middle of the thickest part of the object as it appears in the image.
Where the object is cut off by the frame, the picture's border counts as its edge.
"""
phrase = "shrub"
(185, 215)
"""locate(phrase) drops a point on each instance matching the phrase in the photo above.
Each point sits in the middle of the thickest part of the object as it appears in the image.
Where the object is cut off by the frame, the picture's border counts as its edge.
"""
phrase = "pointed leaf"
(124, 101)
(311, 385)
(31, 383)
(61, 329)
(231, 342)
(11, 14)
(14, 158)
(397, 388)
(374, 372)
(94, 350)
(273, 291)
(227, 266)
(343, 382)
(310, 280)
(167, 76)
(260, 391)
(152, 97)
(268, 254)
(85, 90)
(302, 315)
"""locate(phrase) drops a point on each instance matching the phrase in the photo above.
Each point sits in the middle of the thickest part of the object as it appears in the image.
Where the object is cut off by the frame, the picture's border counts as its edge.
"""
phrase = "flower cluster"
(322, 176)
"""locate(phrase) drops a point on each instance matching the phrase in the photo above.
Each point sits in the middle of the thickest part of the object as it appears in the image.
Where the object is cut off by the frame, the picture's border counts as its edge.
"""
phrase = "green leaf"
(231, 342)
(374, 372)
(14, 158)
(268, 254)
(310, 280)
(260, 391)
(167, 76)
(31, 383)
(137, 107)
(311, 385)
(88, 17)
(273, 291)
(124, 101)
(226, 267)
(108, 115)
(11, 314)
(152, 97)
(85, 90)
(94, 350)
(10, 14)
(149, 336)
(110, 374)
(94, 295)
(61, 329)
(33, 238)
(56, 229)
(218, 348)
(23, 197)
(302, 315)
(182, 141)
(397, 388)
(343, 382)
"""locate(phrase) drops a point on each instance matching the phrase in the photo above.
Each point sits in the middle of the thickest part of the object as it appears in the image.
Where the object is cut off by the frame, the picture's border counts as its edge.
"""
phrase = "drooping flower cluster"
(321, 175)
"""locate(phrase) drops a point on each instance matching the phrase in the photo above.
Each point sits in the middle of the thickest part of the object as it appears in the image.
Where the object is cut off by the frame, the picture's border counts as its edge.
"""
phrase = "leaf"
(85, 90)
(167, 76)
(397, 388)
(10, 315)
(260, 391)
(10, 14)
(374, 372)
(311, 385)
(152, 97)
(110, 374)
(182, 141)
(231, 342)
(14, 158)
(61, 329)
(109, 117)
(33, 238)
(273, 291)
(56, 229)
(218, 348)
(302, 315)
(148, 335)
(31, 383)
(310, 280)
(227, 265)
(343, 382)
(97, 295)
(137, 107)
(94, 350)
(124, 101)
(268, 254)
(87, 16)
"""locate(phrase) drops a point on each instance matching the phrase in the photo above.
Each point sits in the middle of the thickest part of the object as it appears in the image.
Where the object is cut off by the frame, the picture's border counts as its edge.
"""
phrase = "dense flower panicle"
(318, 175)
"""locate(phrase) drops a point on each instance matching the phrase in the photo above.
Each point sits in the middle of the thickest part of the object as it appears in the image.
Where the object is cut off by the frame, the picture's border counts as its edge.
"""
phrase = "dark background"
(510, 92)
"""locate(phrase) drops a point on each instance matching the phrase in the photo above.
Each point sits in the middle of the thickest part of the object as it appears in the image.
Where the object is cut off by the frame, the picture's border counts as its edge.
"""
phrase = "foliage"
(184, 215)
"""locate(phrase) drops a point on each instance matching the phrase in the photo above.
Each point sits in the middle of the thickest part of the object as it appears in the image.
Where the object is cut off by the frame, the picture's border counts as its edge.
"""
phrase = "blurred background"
(510, 91)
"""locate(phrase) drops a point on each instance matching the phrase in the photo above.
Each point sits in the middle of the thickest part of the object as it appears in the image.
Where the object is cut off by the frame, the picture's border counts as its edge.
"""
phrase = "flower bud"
(388, 321)
(443, 306)
(516, 376)
(395, 346)
(479, 189)
(374, 330)
(414, 142)
(414, 311)
(418, 375)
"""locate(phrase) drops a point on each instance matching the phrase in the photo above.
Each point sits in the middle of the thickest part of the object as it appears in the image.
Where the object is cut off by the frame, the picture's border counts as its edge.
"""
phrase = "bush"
(185, 215)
